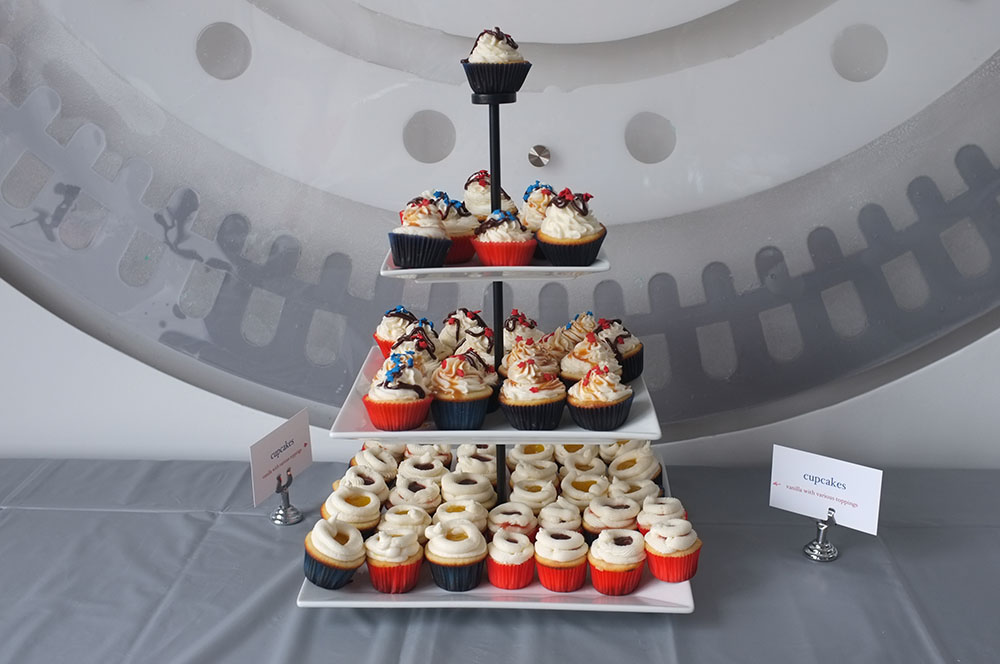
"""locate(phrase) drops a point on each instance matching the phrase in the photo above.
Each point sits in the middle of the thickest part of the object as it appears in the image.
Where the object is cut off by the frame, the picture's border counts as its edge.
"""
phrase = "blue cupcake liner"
(417, 251)
(491, 78)
(457, 578)
(453, 415)
(579, 255)
(602, 418)
(325, 576)
(494, 399)
(632, 366)
(541, 417)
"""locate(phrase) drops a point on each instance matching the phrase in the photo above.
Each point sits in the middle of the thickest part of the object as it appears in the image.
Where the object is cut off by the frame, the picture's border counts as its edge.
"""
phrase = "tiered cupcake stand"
(352, 423)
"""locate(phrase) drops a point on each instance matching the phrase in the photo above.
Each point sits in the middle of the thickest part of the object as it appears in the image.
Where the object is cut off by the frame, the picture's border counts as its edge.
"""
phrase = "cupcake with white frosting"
(518, 325)
(637, 490)
(397, 450)
(478, 197)
(406, 517)
(629, 347)
(537, 198)
(581, 489)
(466, 449)
(334, 550)
(529, 452)
(589, 353)
(424, 467)
(495, 64)
(616, 560)
(394, 559)
(440, 451)
(536, 494)
(611, 450)
(399, 399)
(607, 513)
(545, 471)
(392, 326)
(455, 324)
(501, 239)
(513, 517)
(425, 494)
(581, 465)
(561, 559)
(459, 224)
(600, 402)
(420, 240)
(461, 394)
(464, 508)
(456, 486)
(567, 451)
(456, 554)
(672, 548)
(637, 464)
(364, 477)
(478, 464)
(511, 561)
(659, 510)
(532, 399)
(354, 506)
(560, 515)
(570, 234)
(528, 349)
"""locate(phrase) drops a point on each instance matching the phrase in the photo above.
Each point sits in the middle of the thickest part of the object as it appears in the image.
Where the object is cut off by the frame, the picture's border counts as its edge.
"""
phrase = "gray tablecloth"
(124, 561)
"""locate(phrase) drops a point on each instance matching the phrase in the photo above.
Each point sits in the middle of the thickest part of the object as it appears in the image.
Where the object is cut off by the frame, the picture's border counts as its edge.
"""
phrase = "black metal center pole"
(495, 204)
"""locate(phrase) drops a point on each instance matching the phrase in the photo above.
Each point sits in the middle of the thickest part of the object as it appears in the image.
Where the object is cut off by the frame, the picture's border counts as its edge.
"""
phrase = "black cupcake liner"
(541, 417)
(575, 255)
(632, 366)
(493, 78)
(417, 251)
(325, 576)
(453, 415)
(457, 578)
(602, 418)
(494, 399)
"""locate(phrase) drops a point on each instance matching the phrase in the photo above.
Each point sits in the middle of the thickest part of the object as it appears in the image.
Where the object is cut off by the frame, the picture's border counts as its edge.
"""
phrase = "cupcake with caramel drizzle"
(477, 196)
(629, 347)
(570, 234)
(532, 399)
(589, 353)
(461, 394)
(528, 349)
(600, 402)
(518, 325)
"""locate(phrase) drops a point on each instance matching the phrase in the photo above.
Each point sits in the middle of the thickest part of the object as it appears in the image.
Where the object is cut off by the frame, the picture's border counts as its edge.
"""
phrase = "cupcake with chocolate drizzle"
(537, 198)
(503, 240)
(478, 199)
(629, 347)
(461, 394)
(532, 399)
(459, 224)
(420, 240)
(518, 325)
(455, 325)
(480, 341)
(587, 354)
(424, 346)
(570, 234)
(392, 326)
(495, 64)
(398, 400)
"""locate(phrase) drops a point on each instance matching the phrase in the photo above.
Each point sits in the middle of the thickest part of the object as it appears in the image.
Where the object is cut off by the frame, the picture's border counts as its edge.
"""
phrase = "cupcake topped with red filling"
(477, 196)
(537, 199)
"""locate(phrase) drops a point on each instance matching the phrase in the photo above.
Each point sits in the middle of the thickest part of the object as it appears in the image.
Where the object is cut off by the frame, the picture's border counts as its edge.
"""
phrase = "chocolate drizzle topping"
(605, 324)
(400, 312)
(498, 34)
(450, 204)
(471, 315)
(418, 335)
(517, 318)
(498, 219)
(578, 201)
(482, 333)
(483, 178)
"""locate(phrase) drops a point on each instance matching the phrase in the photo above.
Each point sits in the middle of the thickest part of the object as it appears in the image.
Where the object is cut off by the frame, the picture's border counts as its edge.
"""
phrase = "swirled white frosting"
(607, 512)
(513, 516)
(466, 508)
(467, 449)
(582, 466)
(560, 515)
(671, 536)
(425, 494)
(529, 350)
(392, 546)
(395, 449)
(565, 223)
(423, 220)
(534, 208)
(637, 490)
(379, 460)
(406, 517)
(354, 506)
(477, 201)
(619, 547)
(339, 541)
(660, 510)
(365, 477)
(510, 230)
(545, 471)
(510, 548)
(455, 225)
(490, 50)
(452, 330)
(577, 329)
(586, 355)
(440, 451)
(478, 464)
(615, 330)
(478, 339)
(600, 385)
(456, 379)
(581, 489)
(639, 464)
(558, 343)
(536, 494)
(612, 450)
(565, 452)
(456, 486)
(527, 390)
(379, 391)
(525, 452)
(391, 328)
(510, 338)
(458, 539)
(560, 545)
(424, 467)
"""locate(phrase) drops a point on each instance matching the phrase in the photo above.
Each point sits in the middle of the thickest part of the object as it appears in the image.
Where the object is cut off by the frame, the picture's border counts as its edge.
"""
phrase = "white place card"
(809, 484)
(286, 448)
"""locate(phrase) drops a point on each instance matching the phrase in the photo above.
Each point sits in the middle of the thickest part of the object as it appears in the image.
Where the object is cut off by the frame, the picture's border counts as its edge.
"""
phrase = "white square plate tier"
(652, 596)
(352, 422)
(476, 271)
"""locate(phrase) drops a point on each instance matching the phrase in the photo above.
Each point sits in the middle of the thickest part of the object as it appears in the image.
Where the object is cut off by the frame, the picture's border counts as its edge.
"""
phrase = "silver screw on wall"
(539, 155)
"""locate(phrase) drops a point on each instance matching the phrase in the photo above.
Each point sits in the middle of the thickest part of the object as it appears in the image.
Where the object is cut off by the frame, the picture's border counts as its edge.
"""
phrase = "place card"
(286, 448)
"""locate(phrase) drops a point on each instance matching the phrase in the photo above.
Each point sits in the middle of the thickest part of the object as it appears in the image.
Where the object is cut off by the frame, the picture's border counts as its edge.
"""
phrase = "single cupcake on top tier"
(561, 559)
(477, 196)
(364, 477)
(629, 347)
(501, 239)
(600, 402)
(570, 234)
(672, 549)
(420, 240)
(459, 224)
(394, 559)
(616, 560)
(456, 554)
(399, 400)
(461, 394)
(532, 399)
(518, 327)
(537, 199)
(392, 326)
(511, 561)
(334, 550)
(495, 65)
(589, 353)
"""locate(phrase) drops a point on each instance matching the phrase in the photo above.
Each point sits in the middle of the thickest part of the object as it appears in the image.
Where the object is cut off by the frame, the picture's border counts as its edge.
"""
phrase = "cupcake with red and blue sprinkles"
(501, 239)
(495, 64)
(398, 399)
(570, 234)
(420, 240)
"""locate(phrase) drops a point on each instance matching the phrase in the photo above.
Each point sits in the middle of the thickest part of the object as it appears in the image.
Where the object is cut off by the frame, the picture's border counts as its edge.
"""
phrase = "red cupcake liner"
(397, 415)
(461, 250)
(395, 578)
(510, 577)
(615, 583)
(383, 345)
(562, 579)
(673, 569)
(505, 253)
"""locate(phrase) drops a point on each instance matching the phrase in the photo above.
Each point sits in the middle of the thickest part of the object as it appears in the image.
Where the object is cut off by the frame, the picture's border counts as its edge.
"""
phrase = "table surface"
(146, 561)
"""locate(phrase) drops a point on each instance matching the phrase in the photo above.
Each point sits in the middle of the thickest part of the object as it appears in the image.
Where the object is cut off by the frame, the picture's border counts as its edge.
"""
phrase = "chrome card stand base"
(820, 549)
(286, 514)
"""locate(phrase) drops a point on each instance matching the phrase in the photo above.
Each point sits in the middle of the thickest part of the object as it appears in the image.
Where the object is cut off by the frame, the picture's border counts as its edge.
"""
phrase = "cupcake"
(478, 197)
(400, 400)
(394, 560)
(672, 548)
(637, 490)
(456, 486)
(495, 65)
(334, 550)
(528, 349)
(420, 240)
(536, 494)
(478, 464)
(611, 450)
(425, 467)
(461, 394)
(456, 554)
(406, 517)
(659, 510)
(560, 515)
(558, 343)
(570, 234)
(511, 561)
(392, 326)
(356, 507)
(638, 464)
(537, 199)
(545, 471)
(468, 449)
(581, 489)
(397, 450)
(364, 477)
(480, 341)
(377, 459)
(630, 350)
(589, 353)
(532, 400)
(581, 465)
(503, 240)
(464, 509)
(440, 451)
(607, 513)
(616, 560)
(600, 402)
(575, 451)
(561, 559)
(523, 452)
(417, 345)
(513, 517)
(577, 329)
(425, 494)
(518, 327)
(452, 331)
(459, 224)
